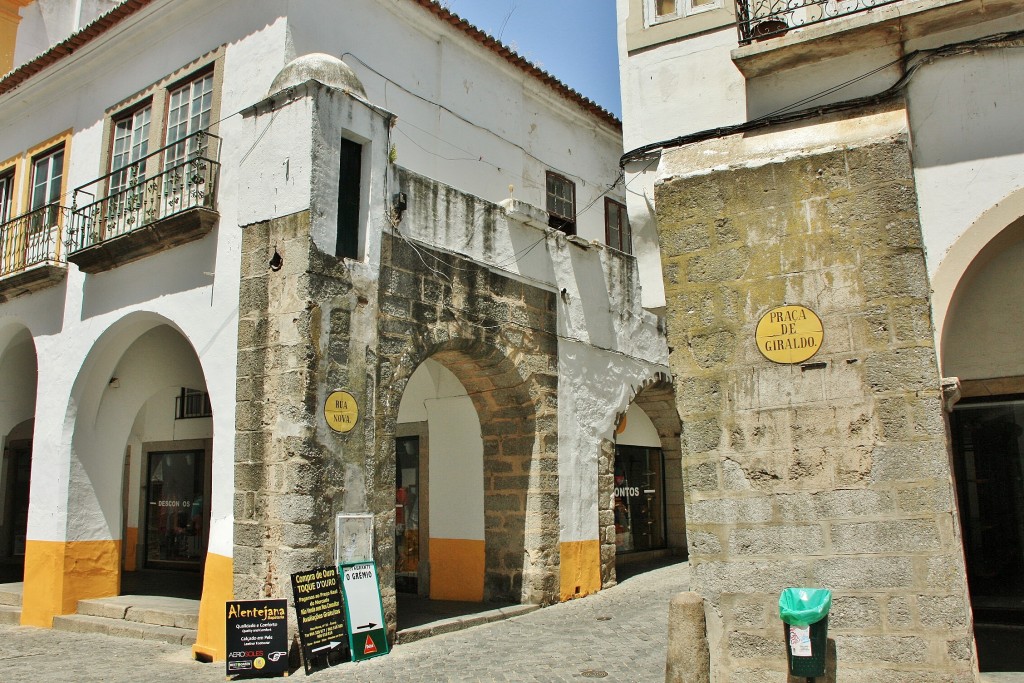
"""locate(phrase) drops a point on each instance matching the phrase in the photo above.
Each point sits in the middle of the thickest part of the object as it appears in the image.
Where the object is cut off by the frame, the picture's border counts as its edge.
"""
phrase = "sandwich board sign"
(364, 612)
(320, 616)
(257, 637)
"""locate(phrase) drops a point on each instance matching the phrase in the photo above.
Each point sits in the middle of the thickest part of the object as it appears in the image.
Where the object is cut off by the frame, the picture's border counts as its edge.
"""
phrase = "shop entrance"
(408, 490)
(176, 527)
(16, 477)
(988, 442)
(639, 499)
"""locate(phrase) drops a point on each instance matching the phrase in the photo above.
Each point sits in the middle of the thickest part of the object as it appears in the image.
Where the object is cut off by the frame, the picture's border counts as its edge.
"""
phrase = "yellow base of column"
(218, 588)
(456, 569)
(59, 574)
(580, 569)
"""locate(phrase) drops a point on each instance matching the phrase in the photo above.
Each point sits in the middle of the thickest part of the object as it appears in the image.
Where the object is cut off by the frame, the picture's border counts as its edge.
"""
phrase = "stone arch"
(997, 227)
(152, 353)
(979, 337)
(655, 396)
(520, 462)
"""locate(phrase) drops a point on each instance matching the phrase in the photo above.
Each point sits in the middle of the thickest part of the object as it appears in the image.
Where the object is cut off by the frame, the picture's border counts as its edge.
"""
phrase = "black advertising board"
(257, 638)
(321, 616)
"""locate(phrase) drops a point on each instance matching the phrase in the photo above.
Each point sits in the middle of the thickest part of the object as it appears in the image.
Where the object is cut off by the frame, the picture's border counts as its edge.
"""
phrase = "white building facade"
(216, 214)
(861, 159)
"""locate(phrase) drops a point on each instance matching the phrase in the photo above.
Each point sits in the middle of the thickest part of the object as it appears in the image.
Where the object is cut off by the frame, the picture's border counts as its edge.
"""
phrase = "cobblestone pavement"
(616, 635)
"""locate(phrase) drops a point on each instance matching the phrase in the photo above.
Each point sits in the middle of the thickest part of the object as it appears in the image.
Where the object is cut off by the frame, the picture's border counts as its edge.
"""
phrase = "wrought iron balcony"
(761, 19)
(30, 250)
(162, 200)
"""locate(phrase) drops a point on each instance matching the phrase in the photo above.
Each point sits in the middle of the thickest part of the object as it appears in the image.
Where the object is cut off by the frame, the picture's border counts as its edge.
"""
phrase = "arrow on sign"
(365, 627)
(330, 646)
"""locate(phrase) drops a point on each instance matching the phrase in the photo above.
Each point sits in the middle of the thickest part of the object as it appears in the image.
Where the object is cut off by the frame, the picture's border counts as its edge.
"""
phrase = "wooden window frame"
(556, 219)
(625, 241)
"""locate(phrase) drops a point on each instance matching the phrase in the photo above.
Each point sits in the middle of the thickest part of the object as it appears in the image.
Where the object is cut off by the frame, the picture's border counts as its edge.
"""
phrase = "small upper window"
(47, 178)
(6, 194)
(188, 112)
(561, 200)
(130, 143)
(616, 226)
(658, 11)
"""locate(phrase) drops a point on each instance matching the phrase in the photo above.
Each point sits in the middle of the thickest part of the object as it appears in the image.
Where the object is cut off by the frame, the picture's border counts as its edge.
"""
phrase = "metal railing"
(32, 238)
(191, 403)
(760, 19)
(173, 179)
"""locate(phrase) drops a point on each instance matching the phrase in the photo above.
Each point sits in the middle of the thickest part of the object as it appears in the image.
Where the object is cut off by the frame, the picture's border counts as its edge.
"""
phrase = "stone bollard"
(688, 659)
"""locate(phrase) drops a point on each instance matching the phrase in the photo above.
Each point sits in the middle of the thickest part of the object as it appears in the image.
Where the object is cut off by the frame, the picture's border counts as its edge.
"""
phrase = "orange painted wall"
(580, 569)
(456, 569)
(59, 574)
(218, 588)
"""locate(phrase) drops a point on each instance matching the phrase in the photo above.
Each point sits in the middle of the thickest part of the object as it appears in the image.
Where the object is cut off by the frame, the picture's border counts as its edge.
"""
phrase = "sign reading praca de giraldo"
(789, 334)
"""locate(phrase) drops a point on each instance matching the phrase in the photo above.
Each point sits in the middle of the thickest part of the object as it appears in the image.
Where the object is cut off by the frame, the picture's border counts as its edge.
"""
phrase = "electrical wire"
(463, 118)
(912, 62)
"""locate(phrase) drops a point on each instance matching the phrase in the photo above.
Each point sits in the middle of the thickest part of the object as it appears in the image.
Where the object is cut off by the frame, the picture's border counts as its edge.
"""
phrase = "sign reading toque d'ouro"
(257, 638)
(321, 616)
(789, 334)
(367, 632)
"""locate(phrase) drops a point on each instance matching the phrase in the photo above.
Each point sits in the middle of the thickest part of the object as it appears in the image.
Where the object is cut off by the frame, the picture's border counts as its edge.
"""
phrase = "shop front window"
(407, 514)
(175, 533)
(639, 499)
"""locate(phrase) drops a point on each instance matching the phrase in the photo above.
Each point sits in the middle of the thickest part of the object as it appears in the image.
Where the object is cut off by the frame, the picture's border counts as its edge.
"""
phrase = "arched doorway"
(18, 368)
(468, 451)
(439, 489)
(647, 494)
(138, 439)
(980, 347)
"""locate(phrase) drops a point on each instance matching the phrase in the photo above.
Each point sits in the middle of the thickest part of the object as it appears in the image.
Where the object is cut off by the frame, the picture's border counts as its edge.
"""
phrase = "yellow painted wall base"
(131, 546)
(456, 569)
(580, 569)
(218, 588)
(59, 574)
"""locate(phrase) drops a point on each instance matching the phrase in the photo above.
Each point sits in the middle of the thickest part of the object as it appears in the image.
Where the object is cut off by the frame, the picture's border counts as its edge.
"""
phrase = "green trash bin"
(804, 613)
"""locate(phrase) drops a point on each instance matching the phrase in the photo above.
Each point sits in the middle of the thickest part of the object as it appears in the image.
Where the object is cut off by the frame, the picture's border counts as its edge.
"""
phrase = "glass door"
(175, 516)
(639, 499)
(988, 441)
(407, 514)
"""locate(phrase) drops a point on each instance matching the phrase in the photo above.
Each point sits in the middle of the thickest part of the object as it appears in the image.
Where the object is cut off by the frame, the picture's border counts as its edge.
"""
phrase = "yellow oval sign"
(341, 411)
(789, 334)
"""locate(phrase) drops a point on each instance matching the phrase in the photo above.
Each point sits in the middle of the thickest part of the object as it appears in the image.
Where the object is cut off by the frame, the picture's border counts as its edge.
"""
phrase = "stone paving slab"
(618, 635)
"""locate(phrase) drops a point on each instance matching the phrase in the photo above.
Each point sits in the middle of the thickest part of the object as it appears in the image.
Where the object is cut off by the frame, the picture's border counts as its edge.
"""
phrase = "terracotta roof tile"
(109, 20)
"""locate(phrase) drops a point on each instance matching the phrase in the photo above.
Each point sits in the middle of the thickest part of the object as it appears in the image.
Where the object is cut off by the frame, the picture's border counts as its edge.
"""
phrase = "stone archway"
(496, 336)
(656, 400)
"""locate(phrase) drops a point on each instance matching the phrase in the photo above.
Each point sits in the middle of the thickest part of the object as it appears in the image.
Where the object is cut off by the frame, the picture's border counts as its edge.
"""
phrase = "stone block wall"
(497, 336)
(833, 473)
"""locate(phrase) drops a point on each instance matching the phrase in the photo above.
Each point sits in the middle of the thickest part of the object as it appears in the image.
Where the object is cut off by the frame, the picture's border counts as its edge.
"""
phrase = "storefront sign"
(321, 616)
(257, 637)
(341, 411)
(789, 334)
(367, 632)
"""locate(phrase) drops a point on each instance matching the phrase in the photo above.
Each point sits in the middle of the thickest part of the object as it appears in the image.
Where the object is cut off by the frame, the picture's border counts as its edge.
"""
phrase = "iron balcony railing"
(33, 238)
(760, 19)
(171, 180)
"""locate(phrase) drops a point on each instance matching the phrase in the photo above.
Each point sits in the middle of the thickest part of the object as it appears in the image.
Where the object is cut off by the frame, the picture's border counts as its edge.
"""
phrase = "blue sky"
(573, 40)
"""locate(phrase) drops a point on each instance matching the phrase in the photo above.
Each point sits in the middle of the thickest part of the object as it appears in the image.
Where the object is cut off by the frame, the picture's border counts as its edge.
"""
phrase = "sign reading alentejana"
(789, 334)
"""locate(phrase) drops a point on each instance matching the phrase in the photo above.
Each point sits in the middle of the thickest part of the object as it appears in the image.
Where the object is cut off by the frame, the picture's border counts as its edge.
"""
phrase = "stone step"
(145, 609)
(82, 623)
(10, 594)
(10, 616)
